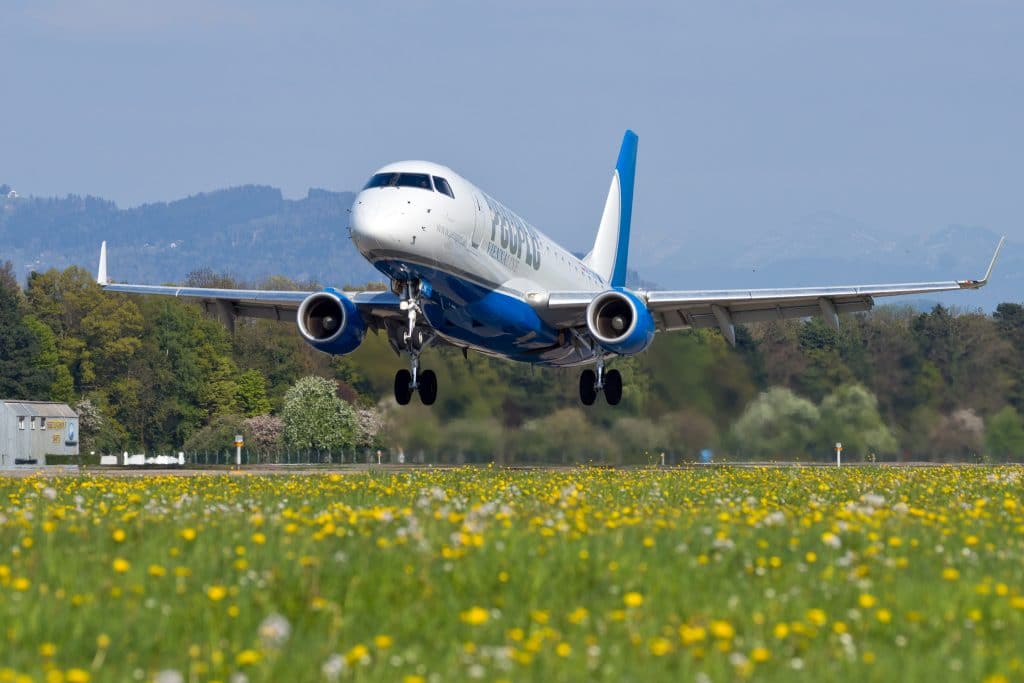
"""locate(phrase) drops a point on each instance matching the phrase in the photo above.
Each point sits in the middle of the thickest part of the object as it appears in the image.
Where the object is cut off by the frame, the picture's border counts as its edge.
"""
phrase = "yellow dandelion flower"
(247, 657)
(866, 600)
(188, 533)
(216, 593)
(118, 535)
(817, 616)
(475, 616)
(259, 538)
(722, 630)
(21, 584)
(120, 565)
(633, 599)
(760, 654)
(660, 647)
(103, 641)
(156, 570)
(413, 678)
(780, 631)
(563, 649)
(383, 642)
(883, 615)
(77, 676)
(47, 650)
(578, 615)
(950, 574)
(358, 653)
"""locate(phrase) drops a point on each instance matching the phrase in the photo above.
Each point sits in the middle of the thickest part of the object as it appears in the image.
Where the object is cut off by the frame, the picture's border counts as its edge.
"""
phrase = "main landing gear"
(592, 382)
(414, 340)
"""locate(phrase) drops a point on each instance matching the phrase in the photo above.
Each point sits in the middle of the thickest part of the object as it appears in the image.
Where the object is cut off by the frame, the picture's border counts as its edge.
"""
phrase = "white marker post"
(839, 454)
(239, 442)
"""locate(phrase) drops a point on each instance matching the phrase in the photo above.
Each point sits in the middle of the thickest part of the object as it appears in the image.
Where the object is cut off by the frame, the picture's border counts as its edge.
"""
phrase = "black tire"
(588, 394)
(403, 387)
(613, 387)
(428, 387)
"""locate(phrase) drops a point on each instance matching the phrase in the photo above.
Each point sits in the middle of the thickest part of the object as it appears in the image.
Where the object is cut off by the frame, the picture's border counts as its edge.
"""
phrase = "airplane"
(468, 272)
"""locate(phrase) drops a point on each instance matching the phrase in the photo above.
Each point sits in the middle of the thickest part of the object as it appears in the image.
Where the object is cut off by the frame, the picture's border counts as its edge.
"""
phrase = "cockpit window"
(379, 180)
(420, 180)
(443, 187)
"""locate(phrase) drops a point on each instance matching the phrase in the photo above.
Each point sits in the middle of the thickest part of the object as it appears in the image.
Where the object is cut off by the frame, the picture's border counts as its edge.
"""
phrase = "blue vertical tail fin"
(611, 248)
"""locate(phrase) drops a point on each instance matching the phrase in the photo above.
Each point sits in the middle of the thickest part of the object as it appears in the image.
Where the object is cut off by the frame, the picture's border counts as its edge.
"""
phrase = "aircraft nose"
(366, 223)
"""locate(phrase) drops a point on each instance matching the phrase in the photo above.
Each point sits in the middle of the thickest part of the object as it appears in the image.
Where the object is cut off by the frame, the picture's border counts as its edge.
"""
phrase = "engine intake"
(620, 323)
(330, 322)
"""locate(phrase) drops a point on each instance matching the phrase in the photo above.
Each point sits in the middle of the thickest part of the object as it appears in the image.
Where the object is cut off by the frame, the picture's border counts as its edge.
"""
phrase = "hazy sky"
(904, 116)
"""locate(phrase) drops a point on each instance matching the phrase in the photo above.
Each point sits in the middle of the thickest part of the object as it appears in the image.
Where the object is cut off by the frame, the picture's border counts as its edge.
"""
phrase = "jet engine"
(620, 323)
(330, 322)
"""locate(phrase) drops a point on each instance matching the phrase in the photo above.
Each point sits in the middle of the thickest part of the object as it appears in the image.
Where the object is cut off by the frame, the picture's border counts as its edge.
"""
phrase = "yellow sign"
(55, 424)
(55, 438)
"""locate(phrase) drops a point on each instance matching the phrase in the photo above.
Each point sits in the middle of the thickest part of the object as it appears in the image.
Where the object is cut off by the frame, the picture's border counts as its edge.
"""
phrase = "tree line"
(157, 374)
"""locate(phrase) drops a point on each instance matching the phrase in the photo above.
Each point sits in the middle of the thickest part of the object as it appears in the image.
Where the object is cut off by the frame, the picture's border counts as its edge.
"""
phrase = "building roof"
(40, 408)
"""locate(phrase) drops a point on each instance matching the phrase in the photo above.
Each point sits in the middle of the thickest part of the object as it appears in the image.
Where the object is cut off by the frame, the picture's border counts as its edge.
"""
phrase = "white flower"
(168, 676)
(334, 667)
(275, 630)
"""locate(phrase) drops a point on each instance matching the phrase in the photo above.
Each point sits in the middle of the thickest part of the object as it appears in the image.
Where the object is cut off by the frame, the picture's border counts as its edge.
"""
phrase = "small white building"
(30, 430)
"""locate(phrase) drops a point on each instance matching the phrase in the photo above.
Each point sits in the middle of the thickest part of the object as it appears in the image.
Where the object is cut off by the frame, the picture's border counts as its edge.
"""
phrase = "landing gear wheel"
(428, 387)
(403, 387)
(588, 391)
(613, 387)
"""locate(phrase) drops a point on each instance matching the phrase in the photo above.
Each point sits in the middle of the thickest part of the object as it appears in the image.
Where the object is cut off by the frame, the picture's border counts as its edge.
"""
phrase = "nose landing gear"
(414, 340)
(592, 382)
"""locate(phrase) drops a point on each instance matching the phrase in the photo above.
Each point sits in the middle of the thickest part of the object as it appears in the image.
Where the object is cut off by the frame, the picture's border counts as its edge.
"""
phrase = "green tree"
(314, 416)
(777, 424)
(251, 396)
(1004, 435)
(850, 415)
(21, 374)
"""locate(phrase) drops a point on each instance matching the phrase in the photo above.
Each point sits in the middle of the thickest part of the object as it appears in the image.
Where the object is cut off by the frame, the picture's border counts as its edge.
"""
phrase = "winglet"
(101, 273)
(977, 284)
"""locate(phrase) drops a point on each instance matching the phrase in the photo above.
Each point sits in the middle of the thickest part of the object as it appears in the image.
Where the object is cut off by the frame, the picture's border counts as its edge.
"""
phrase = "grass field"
(721, 574)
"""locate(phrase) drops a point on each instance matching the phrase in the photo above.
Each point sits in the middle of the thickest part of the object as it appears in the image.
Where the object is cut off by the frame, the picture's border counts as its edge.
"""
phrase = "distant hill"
(250, 232)
(829, 249)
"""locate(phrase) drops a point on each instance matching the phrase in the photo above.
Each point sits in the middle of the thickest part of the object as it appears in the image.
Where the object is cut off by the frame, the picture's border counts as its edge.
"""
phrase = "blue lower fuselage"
(484, 317)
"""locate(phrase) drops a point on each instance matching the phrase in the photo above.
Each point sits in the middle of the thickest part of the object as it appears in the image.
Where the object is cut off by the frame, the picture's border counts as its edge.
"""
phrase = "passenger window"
(420, 180)
(443, 187)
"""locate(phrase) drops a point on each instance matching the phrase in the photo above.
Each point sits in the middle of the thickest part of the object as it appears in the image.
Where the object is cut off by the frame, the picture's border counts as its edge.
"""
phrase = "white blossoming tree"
(314, 416)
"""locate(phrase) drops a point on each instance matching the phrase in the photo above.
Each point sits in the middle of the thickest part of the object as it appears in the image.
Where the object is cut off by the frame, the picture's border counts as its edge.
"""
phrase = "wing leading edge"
(228, 304)
(677, 310)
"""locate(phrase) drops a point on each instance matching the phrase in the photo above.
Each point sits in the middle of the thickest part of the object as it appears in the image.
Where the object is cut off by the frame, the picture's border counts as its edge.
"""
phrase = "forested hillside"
(157, 374)
(251, 232)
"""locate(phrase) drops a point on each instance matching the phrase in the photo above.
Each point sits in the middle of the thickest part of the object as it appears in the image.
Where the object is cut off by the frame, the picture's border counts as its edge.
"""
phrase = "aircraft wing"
(676, 310)
(228, 304)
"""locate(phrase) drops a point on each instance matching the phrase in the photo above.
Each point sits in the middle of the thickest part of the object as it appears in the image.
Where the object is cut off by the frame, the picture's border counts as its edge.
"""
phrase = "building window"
(32, 422)
(42, 423)
(21, 422)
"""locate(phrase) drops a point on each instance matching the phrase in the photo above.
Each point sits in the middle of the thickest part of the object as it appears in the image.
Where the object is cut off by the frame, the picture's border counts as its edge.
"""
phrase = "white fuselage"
(469, 248)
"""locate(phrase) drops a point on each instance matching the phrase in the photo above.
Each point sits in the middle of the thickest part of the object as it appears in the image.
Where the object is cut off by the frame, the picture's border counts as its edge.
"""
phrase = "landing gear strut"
(414, 340)
(592, 382)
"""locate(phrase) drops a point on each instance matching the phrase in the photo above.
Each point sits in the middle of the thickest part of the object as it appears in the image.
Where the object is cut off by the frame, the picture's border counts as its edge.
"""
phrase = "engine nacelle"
(330, 322)
(620, 323)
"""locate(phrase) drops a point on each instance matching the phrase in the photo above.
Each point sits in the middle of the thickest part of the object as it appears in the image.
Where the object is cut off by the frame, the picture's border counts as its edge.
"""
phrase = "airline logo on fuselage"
(513, 240)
